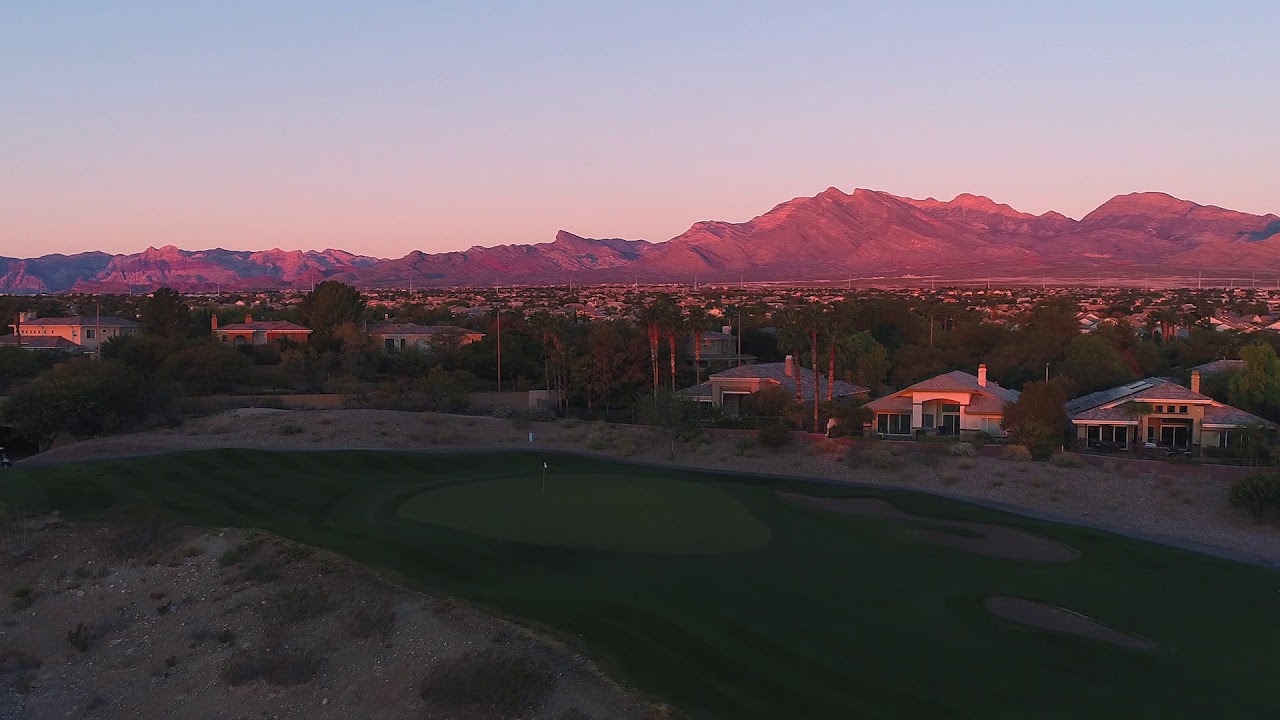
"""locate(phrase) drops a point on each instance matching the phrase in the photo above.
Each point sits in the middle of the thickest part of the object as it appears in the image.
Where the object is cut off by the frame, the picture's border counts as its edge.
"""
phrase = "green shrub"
(773, 436)
(1258, 494)
(928, 459)
(981, 438)
(502, 683)
(541, 413)
(1066, 460)
(966, 463)
(883, 459)
(742, 444)
(964, 449)
(502, 412)
(627, 446)
(230, 557)
(570, 423)
(599, 440)
(1016, 453)
(854, 457)
(23, 596)
(290, 429)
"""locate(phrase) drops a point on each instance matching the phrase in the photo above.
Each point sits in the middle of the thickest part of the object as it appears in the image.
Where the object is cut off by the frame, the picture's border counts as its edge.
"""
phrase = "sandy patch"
(978, 538)
(1046, 616)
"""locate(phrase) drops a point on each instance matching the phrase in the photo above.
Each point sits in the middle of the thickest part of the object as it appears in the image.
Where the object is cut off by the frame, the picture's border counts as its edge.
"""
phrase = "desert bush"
(371, 619)
(949, 477)
(20, 667)
(570, 423)
(499, 682)
(627, 447)
(966, 463)
(599, 440)
(1016, 453)
(883, 459)
(276, 664)
(1258, 494)
(1066, 460)
(853, 457)
(742, 444)
(230, 557)
(290, 429)
(964, 449)
(502, 412)
(296, 603)
(774, 436)
(261, 573)
(927, 459)
(22, 597)
(141, 528)
(541, 413)
(981, 438)
(520, 421)
(81, 637)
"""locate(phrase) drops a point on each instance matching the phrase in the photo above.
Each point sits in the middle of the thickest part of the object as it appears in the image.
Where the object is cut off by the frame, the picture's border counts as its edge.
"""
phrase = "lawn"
(719, 597)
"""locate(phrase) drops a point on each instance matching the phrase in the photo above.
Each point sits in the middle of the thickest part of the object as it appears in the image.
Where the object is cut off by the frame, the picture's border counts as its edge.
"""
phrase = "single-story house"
(726, 389)
(61, 333)
(954, 403)
(260, 332)
(1155, 412)
(719, 346)
(399, 336)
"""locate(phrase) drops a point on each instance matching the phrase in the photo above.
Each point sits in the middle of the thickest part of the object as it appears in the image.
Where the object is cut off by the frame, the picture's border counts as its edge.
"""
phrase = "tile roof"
(985, 400)
(264, 325)
(1232, 417)
(416, 329)
(39, 342)
(1219, 366)
(777, 372)
(1110, 405)
(82, 321)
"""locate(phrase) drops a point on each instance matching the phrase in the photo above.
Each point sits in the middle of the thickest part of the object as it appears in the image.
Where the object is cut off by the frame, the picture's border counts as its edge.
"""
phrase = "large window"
(893, 424)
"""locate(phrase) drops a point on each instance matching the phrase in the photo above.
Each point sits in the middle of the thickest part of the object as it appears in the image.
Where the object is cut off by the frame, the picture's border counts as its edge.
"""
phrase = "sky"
(386, 127)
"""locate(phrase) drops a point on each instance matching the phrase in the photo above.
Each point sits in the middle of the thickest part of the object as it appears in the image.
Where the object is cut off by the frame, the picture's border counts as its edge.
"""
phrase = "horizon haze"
(398, 127)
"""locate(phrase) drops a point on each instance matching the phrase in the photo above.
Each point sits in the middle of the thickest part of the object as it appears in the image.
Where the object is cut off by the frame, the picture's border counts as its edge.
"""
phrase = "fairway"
(726, 600)
(604, 512)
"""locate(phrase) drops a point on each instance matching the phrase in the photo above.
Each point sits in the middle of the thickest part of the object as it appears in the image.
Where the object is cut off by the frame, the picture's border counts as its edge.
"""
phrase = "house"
(78, 333)
(399, 336)
(726, 389)
(719, 346)
(260, 332)
(954, 403)
(1155, 412)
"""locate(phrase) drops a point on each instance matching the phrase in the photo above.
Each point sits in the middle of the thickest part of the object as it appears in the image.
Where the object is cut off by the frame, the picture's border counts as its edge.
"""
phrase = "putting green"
(628, 514)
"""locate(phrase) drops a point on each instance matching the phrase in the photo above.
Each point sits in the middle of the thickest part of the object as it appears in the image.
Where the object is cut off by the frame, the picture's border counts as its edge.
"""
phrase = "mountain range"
(831, 235)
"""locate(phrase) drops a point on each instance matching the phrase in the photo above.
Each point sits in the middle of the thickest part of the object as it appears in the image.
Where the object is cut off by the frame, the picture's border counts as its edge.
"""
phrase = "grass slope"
(604, 512)
(836, 617)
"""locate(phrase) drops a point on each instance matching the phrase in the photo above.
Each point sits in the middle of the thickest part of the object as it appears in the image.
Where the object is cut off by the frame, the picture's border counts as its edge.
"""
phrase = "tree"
(330, 305)
(655, 316)
(1257, 387)
(166, 314)
(668, 412)
(1037, 419)
(865, 361)
(1092, 364)
(81, 398)
(696, 322)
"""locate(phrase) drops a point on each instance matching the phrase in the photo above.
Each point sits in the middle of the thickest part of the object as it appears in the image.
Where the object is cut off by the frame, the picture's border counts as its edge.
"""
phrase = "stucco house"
(719, 346)
(1158, 413)
(400, 336)
(726, 389)
(955, 403)
(79, 333)
(260, 332)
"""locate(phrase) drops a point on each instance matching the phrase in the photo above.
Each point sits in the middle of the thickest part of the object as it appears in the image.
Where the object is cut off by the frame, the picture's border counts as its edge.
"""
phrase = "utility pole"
(1046, 372)
(97, 332)
(740, 329)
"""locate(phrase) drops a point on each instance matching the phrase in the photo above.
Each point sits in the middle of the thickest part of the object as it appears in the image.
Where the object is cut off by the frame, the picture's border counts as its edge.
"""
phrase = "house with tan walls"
(401, 336)
(727, 388)
(259, 332)
(79, 333)
(952, 404)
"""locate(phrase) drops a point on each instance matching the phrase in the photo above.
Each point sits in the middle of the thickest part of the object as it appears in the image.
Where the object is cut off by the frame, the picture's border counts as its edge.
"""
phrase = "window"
(951, 407)
(1182, 409)
(1095, 433)
(928, 421)
(895, 424)
(1227, 439)
(89, 333)
(1159, 408)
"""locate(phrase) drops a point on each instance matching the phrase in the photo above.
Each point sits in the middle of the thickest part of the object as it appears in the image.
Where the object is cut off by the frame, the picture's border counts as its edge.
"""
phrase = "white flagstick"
(544, 476)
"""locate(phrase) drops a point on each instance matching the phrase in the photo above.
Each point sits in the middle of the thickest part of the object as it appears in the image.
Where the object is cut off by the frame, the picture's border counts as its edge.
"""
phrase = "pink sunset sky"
(387, 127)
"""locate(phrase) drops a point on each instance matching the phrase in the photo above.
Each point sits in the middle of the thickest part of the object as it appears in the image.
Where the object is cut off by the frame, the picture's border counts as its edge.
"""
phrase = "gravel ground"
(1188, 509)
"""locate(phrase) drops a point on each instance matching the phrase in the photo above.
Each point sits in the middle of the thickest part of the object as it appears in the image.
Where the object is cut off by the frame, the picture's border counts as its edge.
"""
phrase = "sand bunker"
(1046, 616)
(977, 538)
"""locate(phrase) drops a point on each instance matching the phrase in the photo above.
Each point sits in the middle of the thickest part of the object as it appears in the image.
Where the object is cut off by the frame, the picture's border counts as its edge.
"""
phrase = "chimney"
(726, 329)
(1195, 381)
(982, 375)
(791, 366)
(248, 319)
(213, 321)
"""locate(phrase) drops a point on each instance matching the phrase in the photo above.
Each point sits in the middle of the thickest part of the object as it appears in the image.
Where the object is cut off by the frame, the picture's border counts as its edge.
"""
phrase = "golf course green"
(718, 596)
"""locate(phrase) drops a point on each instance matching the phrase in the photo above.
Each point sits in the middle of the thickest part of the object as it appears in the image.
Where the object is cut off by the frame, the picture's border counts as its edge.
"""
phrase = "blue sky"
(385, 127)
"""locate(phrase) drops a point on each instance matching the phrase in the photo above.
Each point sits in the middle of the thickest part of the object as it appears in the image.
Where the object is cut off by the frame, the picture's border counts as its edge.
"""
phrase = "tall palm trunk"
(813, 355)
(831, 370)
(671, 345)
(655, 339)
(697, 364)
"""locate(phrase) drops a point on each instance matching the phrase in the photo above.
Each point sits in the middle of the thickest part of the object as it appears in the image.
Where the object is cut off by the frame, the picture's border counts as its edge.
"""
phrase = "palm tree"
(836, 327)
(655, 318)
(696, 322)
(673, 327)
(813, 323)
(791, 337)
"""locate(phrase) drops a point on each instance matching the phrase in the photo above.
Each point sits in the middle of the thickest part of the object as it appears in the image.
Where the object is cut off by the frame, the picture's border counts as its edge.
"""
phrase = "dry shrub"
(883, 459)
(626, 447)
(949, 477)
(1066, 460)
(489, 680)
(966, 463)
(1016, 453)
(277, 664)
(296, 603)
(1129, 471)
(964, 449)
(371, 619)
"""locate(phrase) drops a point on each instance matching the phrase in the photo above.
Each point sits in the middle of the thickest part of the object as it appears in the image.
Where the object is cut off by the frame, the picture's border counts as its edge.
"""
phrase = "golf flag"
(544, 464)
